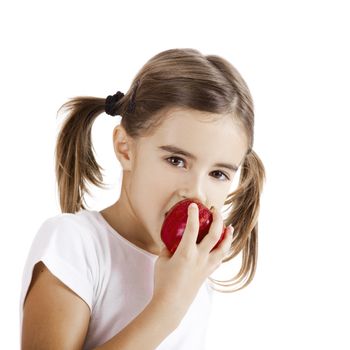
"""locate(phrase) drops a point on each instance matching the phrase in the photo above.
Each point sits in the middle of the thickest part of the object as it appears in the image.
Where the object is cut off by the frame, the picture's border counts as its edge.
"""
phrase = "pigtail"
(75, 164)
(245, 204)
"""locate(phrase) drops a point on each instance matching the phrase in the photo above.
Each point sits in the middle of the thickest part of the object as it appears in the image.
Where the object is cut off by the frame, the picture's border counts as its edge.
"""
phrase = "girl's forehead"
(201, 133)
(197, 123)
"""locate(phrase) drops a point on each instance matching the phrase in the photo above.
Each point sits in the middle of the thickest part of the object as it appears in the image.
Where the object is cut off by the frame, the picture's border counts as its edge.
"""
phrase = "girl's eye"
(225, 177)
(172, 158)
(221, 175)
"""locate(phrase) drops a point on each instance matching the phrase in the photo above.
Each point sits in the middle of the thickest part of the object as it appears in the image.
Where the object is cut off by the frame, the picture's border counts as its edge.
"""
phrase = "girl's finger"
(189, 238)
(223, 249)
(214, 234)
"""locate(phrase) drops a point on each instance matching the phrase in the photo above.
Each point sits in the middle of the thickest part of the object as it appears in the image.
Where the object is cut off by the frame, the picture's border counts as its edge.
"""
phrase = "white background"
(295, 58)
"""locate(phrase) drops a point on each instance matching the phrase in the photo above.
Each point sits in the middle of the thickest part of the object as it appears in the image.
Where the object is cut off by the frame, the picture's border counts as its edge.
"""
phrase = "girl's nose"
(194, 189)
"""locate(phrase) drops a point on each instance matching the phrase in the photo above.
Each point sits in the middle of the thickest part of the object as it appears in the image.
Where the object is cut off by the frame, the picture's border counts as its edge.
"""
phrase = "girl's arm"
(177, 280)
(146, 331)
(54, 317)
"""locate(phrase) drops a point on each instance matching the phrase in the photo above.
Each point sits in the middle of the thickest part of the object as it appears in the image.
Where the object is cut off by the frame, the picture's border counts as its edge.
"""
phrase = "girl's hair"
(173, 78)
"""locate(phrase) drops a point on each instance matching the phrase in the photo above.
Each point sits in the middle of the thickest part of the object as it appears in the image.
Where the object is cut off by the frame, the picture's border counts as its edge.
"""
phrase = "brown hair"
(172, 78)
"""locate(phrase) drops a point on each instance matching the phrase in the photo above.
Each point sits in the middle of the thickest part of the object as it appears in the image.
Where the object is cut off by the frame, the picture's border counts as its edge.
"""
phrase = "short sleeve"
(66, 247)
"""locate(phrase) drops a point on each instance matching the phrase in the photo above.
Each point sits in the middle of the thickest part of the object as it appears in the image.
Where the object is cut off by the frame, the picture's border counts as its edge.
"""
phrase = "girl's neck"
(120, 218)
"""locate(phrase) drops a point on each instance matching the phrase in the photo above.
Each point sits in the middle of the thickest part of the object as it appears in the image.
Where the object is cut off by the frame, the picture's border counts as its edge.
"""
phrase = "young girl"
(105, 280)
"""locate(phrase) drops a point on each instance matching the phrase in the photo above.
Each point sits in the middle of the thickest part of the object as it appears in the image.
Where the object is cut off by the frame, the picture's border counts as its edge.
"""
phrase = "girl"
(105, 280)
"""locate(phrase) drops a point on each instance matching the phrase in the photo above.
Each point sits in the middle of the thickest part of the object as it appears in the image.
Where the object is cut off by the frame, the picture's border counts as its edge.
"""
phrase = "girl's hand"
(177, 278)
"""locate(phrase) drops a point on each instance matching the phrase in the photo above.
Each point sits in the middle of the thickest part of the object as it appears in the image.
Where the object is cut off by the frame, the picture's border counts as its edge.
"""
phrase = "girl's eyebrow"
(177, 150)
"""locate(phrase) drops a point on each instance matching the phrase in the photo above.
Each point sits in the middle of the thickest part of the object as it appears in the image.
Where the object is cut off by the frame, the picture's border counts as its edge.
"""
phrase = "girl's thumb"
(164, 252)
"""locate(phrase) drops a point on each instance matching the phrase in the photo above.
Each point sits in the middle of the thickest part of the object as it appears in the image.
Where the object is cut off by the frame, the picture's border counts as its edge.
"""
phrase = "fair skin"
(54, 317)
(152, 184)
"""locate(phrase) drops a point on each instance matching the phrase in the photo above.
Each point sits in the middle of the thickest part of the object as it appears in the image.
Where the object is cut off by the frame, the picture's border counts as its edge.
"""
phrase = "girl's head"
(180, 99)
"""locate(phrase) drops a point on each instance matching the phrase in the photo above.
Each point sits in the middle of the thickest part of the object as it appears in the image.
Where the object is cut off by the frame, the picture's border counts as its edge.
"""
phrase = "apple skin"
(175, 223)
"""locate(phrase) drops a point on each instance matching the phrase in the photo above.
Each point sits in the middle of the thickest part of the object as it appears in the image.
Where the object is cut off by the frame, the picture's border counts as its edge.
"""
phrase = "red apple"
(175, 223)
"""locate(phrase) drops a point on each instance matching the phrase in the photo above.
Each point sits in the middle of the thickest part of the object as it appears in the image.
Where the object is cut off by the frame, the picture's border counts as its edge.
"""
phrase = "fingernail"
(193, 205)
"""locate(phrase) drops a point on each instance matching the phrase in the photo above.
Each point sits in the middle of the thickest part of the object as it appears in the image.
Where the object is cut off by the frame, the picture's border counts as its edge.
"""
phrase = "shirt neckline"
(116, 233)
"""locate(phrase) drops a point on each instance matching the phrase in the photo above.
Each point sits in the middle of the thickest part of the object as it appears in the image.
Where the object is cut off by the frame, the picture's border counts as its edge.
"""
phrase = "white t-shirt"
(112, 275)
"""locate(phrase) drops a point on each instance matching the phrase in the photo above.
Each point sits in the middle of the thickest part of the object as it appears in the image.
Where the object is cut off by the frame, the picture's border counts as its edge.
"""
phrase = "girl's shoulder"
(68, 245)
(69, 228)
(82, 220)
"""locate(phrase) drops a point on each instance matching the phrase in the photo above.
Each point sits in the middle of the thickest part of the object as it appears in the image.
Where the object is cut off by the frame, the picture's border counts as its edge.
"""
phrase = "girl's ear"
(122, 147)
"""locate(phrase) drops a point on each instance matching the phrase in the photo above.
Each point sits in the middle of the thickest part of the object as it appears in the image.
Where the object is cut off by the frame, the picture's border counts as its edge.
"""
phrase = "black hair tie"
(111, 100)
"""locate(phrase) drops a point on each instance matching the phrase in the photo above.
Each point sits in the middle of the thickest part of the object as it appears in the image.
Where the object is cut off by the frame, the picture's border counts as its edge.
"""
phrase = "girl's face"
(187, 156)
